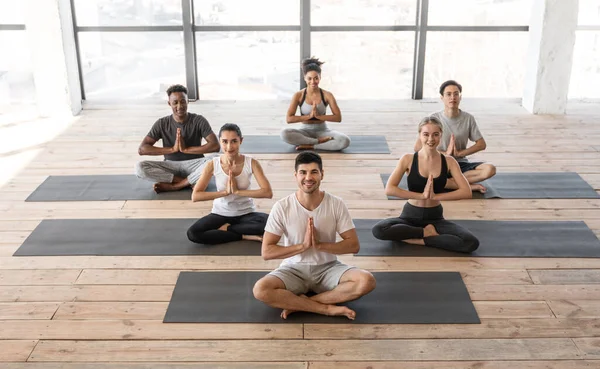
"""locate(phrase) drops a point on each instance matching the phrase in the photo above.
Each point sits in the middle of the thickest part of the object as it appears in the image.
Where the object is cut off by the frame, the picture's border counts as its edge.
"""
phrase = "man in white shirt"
(460, 127)
(307, 222)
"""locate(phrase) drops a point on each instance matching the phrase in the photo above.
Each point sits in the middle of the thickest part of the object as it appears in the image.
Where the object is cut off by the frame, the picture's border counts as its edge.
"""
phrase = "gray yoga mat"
(554, 239)
(275, 145)
(104, 188)
(400, 297)
(116, 237)
(544, 185)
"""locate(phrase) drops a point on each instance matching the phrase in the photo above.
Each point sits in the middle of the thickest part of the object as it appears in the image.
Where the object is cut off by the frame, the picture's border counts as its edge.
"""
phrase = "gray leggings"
(309, 136)
(413, 219)
(164, 171)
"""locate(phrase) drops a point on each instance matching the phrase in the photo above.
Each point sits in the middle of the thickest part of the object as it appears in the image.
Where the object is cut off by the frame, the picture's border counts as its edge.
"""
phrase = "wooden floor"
(106, 312)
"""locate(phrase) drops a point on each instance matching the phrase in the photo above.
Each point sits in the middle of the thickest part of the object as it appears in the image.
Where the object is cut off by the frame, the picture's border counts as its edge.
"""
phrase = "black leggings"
(413, 219)
(206, 229)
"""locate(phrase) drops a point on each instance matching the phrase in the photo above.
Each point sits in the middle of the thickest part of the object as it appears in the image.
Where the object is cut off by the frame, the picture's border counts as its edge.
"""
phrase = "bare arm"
(265, 191)
(147, 148)
(479, 145)
(464, 189)
(211, 145)
(392, 189)
(291, 116)
(271, 250)
(199, 193)
(336, 115)
(348, 245)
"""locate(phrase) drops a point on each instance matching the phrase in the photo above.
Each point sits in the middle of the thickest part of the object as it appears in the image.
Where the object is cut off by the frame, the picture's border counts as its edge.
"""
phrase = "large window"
(239, 49)
(585, 73)
(16, 71)
(487, 64)
(366, 65)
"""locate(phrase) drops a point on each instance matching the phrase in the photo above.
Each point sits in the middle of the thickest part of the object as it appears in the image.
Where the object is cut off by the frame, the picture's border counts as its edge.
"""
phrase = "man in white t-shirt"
(460, 127)
(307, 223)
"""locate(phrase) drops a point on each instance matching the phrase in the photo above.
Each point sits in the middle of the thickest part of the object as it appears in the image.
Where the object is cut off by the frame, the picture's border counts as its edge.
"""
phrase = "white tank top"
(233, 205)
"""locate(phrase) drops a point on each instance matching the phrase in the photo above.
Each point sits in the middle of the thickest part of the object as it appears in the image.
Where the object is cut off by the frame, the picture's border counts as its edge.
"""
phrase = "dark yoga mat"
(104, 188)
(275, 145)
(568, 239)
(400, 297)
(550, 185)
(115, 237)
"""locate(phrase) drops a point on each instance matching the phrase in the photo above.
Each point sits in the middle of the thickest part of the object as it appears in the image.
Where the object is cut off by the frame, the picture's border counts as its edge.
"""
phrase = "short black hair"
(311, 64)
(307, 157)
(450, 82)
(176, 88)
(231, 127)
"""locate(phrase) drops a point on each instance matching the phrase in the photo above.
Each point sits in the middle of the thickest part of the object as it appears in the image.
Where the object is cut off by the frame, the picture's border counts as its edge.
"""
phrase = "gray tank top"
(306, 108)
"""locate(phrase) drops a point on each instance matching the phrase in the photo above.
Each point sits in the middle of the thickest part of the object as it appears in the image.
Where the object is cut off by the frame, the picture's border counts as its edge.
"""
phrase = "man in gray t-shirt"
(460, 127)
(181, 134)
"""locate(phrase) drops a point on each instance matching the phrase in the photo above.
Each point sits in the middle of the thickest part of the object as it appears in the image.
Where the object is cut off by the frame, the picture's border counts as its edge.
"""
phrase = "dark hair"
(231, 127)
(311, 64)
(450, 82)
(307, 157)
(176, 88)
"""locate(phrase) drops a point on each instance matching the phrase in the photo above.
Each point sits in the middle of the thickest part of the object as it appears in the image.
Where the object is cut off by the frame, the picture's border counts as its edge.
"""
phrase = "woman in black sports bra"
(422, 221)
(312, 131)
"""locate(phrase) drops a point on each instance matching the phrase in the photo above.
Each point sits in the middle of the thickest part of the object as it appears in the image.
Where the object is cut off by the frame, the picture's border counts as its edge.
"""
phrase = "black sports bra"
(416, 182)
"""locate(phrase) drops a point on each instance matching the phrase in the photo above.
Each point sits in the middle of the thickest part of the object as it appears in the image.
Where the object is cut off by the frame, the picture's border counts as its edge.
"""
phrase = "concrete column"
(550, 55)
(49, 28)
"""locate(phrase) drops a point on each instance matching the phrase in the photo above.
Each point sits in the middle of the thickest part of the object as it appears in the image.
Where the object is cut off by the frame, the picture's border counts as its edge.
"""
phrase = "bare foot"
(165, 187)
(286, 312)
(252, 238)
(334, 310)
(429, 231)
(415, 241)
(325, 139)
(305, 147)
(478, 187)
(224, 227)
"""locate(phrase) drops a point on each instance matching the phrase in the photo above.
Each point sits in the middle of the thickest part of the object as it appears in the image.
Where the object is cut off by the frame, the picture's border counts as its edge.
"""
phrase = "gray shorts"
(302, 278)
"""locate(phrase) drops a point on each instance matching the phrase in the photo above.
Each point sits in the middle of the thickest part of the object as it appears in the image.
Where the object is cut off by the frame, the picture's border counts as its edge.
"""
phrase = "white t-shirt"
(288, 219)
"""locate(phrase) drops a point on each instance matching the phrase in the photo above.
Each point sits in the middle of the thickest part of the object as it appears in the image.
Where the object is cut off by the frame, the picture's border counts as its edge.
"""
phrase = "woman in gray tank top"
(312, 131)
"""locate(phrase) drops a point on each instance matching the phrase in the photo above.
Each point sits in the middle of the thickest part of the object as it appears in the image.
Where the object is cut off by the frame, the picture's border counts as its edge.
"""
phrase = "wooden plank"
(489, 328)
(302, 350)
(534, 292)
(28, 310)
(257, 263)
(566, 276)
(128, 276)
(112, 310)
(169, 277)
(18, 225)
(154, 365)
(85, 293)
(567, 364)
(38, 277)
(142, 330)
(16, 350)
(575, 308)
(513, 309)
(589, 347)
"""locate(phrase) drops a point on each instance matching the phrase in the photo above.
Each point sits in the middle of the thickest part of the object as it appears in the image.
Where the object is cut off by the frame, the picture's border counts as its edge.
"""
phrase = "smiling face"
(312, 79)
(178, 101)
(430, 136)
(451, 97)
(309, 177)
(230, 143)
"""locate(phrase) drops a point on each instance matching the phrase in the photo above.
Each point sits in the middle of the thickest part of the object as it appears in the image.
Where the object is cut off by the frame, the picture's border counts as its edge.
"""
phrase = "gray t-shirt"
(464, 127)
(192, 131)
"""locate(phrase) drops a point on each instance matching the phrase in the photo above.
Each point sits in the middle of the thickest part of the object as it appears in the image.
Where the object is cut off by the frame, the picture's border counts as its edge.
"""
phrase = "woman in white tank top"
(311, 131)
(233, 216)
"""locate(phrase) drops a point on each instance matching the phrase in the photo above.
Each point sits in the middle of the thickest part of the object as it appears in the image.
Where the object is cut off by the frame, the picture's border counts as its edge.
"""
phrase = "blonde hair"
(431, 120)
